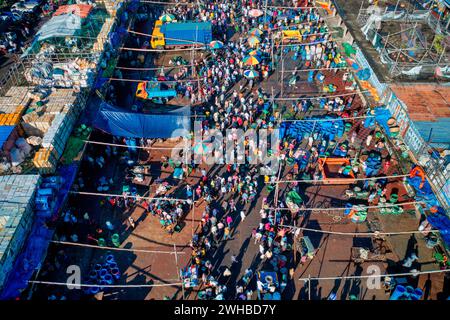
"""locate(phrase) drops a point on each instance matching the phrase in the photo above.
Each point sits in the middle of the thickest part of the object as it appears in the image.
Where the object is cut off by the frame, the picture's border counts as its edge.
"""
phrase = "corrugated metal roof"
(425, 102)
(63, 25)
(434, 131)
(81, 10)
(5, 131)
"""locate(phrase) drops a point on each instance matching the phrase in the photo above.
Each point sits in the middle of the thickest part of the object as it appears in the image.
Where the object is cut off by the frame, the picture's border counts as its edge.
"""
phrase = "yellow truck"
(291, 36)
(180, 34)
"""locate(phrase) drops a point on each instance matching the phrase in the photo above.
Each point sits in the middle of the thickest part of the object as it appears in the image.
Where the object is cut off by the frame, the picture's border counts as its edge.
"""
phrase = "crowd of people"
(227, 100)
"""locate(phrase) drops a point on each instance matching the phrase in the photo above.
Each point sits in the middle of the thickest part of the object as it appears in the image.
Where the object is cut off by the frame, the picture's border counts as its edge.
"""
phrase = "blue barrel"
(398, 292)
(418, 293)
(94, 290)
(108, 279)
(409, 291)
(109, 259)
(267, 296)
(115, 273)
(112, 265)
(103, 273)
(98, 267)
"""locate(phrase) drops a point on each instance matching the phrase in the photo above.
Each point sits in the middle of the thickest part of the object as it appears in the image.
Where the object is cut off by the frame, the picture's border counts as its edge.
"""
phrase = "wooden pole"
(273, 59)
(193, 211)
(282, 74)
(359, 12)
(265, 11)
(396, 6)
(178, 269)
(295, 249)
(309, 287)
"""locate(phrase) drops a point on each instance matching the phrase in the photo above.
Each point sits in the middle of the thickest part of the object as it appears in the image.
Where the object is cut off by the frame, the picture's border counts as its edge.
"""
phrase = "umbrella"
(251, 60)
(255, 13)
(254, 53)
(167, 17)
(251, 74)
(256, 32)
(253, 40)
(216, 44)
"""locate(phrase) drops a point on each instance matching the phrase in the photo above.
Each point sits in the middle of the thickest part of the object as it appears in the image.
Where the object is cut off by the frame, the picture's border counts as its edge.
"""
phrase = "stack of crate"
(58, 99)
(13, 105)
(14, 97)
(35, 125)
(46, 160)
(59, 132)
(9, 119)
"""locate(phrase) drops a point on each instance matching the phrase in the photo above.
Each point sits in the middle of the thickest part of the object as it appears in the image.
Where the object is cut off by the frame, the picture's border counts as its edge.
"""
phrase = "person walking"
(226, 233)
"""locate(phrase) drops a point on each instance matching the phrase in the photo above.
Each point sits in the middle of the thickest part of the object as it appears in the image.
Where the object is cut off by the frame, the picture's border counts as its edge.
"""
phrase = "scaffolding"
(412, 42)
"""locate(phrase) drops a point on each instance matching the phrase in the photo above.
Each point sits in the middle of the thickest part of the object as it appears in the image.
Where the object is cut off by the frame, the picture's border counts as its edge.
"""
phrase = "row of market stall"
(39, 119)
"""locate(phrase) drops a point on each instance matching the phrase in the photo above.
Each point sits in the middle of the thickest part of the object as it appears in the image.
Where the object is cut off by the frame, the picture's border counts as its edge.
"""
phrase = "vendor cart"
(142, 175)
(304, 246)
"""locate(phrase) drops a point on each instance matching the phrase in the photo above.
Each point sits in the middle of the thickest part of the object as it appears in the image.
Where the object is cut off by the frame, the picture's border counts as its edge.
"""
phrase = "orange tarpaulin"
(81, 10)
(325, 5)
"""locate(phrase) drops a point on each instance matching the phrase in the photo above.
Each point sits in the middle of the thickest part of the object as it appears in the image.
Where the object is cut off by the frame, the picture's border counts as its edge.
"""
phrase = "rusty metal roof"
(425, 102)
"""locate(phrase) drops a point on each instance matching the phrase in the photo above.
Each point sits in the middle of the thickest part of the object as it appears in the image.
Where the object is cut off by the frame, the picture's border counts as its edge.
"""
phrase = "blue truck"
(181, 34)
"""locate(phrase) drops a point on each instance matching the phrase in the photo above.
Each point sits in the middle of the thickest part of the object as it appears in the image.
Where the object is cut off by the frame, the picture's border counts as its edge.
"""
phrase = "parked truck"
(180, 34)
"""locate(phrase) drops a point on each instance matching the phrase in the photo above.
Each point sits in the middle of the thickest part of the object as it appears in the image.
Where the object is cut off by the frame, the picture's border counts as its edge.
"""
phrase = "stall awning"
(124, 123)
(81, 10)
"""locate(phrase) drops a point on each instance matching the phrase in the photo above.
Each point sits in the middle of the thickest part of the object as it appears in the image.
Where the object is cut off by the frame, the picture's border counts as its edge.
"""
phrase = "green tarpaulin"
(349, 50)
(294, 197)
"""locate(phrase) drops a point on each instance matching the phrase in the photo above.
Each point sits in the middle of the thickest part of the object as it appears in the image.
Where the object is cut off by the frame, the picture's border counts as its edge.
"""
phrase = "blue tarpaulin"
(5, 131)
(37, 242)
(186, 33)
(125, 123)
(64, 25)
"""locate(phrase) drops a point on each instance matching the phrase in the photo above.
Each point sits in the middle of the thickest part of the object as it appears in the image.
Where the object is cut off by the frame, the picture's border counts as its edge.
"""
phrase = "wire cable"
(112, 248)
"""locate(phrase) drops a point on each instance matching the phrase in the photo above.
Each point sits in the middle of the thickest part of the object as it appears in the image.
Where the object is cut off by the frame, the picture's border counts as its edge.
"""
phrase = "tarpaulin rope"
(325, 120)
(375, 276)
(320, 97)
(353, 179)
(156, 68)
(165, 38)
(376, 233)
(386, 205)
(165, 81)
(162, 50)
(126, 196)
(106, 285)
(133, 147)
(84, 245)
